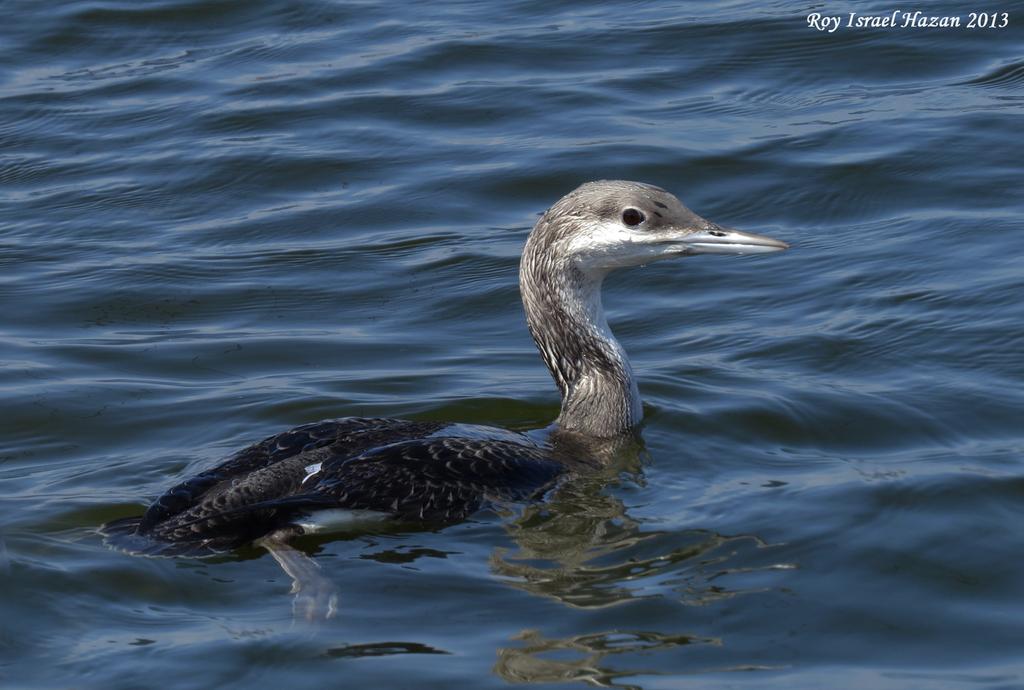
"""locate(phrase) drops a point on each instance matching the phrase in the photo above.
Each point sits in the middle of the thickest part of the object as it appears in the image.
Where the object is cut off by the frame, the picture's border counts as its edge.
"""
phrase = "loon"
(331, 475)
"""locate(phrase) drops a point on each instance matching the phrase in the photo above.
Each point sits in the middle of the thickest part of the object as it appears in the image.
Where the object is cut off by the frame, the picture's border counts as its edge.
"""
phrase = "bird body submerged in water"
(323, 475)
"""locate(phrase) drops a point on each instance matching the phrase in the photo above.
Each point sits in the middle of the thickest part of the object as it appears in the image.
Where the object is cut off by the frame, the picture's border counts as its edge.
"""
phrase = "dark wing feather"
(439, 479)
(385, 465)
(348, 435)
(432, 480)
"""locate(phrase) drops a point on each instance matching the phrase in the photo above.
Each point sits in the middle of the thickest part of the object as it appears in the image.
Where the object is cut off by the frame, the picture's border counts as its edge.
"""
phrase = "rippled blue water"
(223, 219)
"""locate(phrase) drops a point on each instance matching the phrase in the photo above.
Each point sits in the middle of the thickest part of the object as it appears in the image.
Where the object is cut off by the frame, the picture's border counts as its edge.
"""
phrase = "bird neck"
(567, 322)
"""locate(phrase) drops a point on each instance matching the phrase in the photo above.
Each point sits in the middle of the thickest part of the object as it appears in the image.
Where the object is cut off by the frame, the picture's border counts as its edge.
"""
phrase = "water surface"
(220, 220)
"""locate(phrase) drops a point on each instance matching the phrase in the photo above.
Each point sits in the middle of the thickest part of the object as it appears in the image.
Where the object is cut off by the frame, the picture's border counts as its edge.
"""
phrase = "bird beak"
(715, 239)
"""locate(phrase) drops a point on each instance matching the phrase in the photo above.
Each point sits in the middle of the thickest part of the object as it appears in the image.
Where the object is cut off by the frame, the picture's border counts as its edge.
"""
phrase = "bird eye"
(633, 217)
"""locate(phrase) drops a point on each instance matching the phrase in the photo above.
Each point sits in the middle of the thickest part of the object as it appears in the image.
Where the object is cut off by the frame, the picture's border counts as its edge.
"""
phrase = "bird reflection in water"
(582, 549)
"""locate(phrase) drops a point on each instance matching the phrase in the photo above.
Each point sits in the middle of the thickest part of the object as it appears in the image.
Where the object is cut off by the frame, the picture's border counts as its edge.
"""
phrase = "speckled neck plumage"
(567, 322)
